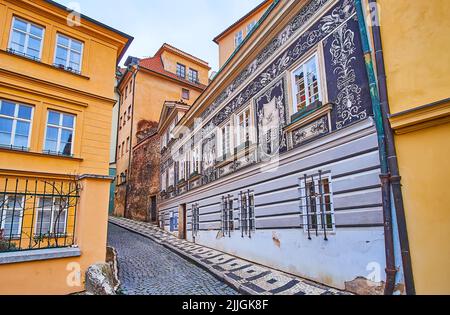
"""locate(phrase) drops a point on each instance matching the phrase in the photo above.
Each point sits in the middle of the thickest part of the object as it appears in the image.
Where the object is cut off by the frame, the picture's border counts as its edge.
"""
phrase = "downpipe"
(391, 269)
(395, 178)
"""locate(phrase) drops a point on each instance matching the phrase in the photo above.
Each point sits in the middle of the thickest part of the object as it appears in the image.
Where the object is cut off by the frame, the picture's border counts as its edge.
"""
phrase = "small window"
(181, 71)
(164, 181)
(247, 213)
(193, 76)
(243, 123)
(126, 92)
(120, 122)
(225, 141)
(128, 144)
(60, 133)
(250, 27)
(181, 169)
(195, 222)
(51, 216)
(238, 38)
(227, 215)
(316, 204)
(131, 86)
(69, 53)
(185, 94)
(129, 112)
(306, 83)
(26, 39)
(196, 159)
(15, 125)
(118, 152)
(11, 216)
(171, 176)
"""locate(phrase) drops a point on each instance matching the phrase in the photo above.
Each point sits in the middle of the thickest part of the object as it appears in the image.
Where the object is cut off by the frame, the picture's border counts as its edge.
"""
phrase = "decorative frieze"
(310, 132)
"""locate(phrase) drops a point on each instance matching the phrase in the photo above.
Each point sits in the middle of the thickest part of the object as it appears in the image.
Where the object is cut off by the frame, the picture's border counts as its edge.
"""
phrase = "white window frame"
(52, 217)
(304, 203)
(191, 75)
(27, 36)
(195, 221)
(60, 128)
(196, 159)
(5, 209)
(247, 213)
(238, 36)
(248, 128)
(69, 50)
(303, 64)
(227, 214)
(221, 153)
(16, 119)
(250, 27)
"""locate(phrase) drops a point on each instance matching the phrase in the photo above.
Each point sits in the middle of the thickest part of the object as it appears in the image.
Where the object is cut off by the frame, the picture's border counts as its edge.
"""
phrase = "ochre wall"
(170, 61)
(226, 43)
(415, 36)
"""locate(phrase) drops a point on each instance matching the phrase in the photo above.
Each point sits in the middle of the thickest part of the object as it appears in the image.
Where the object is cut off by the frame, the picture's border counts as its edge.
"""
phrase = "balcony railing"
(37, 213)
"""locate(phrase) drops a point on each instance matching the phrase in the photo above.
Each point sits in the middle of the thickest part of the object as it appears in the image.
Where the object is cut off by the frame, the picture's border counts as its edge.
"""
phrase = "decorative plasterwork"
(311, 131)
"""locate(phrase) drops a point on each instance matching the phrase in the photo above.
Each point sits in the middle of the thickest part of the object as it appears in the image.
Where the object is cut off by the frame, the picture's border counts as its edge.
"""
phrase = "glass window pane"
(50, 145)
(68, 120)
(62, 40)
(6, 125)
(52, 134)
(53, 118)
(21, 25)
(65, 148)
(20, 141)
(66, 136)
(36, 30)
(18, 41)
(25, 112)
(12, 223)
(77, 46)
(22, 128)
(5, 138)
(61, 56)
(43, 224)
(34, 44)
(7, 108)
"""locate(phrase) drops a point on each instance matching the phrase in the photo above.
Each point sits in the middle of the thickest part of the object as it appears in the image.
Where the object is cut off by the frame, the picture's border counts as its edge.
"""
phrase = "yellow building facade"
(170, 75)
(57, 71)
(415, 38)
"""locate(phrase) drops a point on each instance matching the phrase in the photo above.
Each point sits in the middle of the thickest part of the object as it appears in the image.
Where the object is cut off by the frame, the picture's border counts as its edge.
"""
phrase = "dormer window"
(238, 38)
(181, 71)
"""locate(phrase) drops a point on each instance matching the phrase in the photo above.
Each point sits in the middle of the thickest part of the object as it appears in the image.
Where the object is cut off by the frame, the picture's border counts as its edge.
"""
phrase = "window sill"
(38, 255)
(309, 116)
(36, 61)
(12, 150)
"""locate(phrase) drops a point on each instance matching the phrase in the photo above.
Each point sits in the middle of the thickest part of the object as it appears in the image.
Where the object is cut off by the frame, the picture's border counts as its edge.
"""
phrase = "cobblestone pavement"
(148, 268)
(245, 276)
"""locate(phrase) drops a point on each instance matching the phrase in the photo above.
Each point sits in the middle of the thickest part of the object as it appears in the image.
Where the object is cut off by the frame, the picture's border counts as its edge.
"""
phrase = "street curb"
(219, 276)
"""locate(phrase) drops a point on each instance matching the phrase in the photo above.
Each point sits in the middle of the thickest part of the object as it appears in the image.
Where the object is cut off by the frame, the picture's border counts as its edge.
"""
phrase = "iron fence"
(37, 213)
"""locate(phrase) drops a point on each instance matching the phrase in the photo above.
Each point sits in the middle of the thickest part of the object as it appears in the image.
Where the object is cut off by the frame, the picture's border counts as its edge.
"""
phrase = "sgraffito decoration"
(310, 132)
(346, 76)
(271, 118)
(209, 153)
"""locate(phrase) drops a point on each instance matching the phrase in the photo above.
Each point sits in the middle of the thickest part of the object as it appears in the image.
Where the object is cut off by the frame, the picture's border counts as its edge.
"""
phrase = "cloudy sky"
(186, 24)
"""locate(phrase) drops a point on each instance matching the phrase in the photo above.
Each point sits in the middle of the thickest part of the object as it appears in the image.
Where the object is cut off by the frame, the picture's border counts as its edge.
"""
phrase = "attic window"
(185, 94)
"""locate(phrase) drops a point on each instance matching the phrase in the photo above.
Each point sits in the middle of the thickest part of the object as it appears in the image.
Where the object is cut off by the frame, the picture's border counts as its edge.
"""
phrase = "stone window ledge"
(37, 255)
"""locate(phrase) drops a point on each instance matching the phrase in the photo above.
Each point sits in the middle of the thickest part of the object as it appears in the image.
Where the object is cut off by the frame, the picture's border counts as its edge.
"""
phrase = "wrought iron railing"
(37, 213)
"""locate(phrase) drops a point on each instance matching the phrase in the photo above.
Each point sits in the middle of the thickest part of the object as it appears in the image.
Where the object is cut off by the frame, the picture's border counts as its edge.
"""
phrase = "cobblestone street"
(147, 268)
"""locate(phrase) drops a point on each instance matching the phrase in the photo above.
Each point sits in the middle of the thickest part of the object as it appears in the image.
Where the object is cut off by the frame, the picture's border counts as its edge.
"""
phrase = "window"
(11, 212)
(225, 141)
(171, 176)
(131, 86)
(306, 84)
(120, 123)
(243, 123)
(118, 152)
(247, 213)
(181, 71)
(181, 169)
(60, 133)
(227, 215)
(250, 27)
(51, 216)
(129, 112)
(173, 221)
(123, 147)
(69, 53)
(26, 39)
(195, 219)
(316, 204)
(128, 144)
(171, 129)
(238, 38)
(196, 159)
(193, 76)
(163, 141)
(164, 181)
(15, 124)
(185, 94)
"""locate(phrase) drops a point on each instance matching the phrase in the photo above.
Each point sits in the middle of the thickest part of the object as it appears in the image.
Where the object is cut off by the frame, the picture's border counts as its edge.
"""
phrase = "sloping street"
(147, 268)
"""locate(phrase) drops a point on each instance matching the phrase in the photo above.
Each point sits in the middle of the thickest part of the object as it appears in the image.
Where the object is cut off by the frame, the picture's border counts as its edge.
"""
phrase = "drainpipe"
(391, 270)
(395, 177)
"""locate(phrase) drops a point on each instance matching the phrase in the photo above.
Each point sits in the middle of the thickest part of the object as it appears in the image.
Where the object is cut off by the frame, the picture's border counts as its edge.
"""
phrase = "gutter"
(395, 177)
(391, 270)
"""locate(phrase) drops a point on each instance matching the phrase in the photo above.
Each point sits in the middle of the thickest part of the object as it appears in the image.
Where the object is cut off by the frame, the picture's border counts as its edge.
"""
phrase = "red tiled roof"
(155, 64)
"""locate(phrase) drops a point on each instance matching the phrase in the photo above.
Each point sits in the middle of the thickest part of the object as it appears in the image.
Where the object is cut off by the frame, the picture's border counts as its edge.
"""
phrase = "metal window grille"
(37, 213)
(195, 219)
(227, 215)
(316, 205)
(247, 213)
